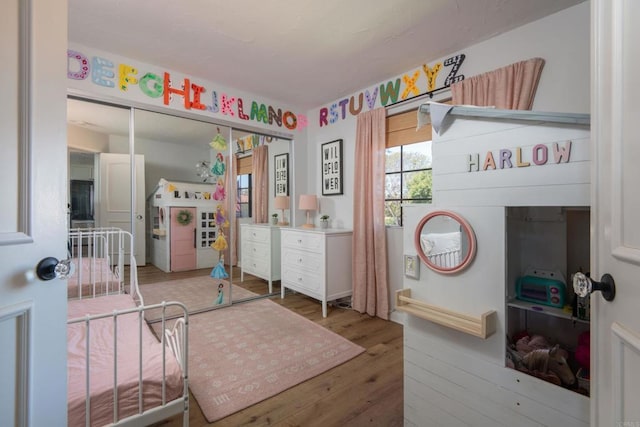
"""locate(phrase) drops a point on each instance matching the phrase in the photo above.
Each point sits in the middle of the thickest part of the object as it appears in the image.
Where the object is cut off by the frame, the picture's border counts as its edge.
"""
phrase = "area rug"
(248, 352)
(197, 293)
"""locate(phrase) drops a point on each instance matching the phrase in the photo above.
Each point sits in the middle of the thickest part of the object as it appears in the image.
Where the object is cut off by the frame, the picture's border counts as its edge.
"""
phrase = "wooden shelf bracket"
(482, 327)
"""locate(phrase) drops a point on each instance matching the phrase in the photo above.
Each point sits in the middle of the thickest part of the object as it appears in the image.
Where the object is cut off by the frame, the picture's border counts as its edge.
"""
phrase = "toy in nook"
(535, 356)
(583, 358)
(218, 143)
(218, 271)
(218, 167)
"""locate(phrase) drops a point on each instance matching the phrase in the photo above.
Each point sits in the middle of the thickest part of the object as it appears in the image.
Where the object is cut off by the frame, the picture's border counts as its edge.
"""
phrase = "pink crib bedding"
(101, 363)
(91, 271)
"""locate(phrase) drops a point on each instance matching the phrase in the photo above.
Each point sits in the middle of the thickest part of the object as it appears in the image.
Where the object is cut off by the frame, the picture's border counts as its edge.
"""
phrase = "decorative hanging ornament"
(184, 217)
(218, 142)
(202, 170)
(219, 167)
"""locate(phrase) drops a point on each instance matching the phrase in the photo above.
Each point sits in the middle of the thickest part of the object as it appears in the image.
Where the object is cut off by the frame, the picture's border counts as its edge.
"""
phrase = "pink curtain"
(260, 190)
(512, 87)
(231, 257)
(370, 288)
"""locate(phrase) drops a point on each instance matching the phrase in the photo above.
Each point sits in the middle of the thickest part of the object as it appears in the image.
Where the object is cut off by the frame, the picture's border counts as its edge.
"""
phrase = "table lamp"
(282, 203)
(308, 202)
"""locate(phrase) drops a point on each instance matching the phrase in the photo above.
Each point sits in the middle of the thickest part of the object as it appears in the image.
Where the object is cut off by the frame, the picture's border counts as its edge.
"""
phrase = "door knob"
(50, 268)
(583, 286)
(139, 217)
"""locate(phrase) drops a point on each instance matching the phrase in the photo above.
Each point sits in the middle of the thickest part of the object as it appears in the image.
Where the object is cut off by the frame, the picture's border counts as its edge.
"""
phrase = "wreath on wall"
(184, 217)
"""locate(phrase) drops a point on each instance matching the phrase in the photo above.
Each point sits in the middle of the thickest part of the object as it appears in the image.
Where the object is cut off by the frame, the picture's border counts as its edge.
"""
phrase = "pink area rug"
(248, 352)
(196, 293)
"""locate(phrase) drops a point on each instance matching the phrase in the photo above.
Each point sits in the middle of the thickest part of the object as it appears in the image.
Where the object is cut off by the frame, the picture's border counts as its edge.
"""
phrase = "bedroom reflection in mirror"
(445, 242)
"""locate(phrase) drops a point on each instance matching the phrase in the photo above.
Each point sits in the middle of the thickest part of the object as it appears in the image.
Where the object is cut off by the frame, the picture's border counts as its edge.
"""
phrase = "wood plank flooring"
(365, 391)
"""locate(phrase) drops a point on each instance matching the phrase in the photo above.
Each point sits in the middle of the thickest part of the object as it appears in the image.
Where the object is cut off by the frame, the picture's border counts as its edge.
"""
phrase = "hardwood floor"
(365, 391)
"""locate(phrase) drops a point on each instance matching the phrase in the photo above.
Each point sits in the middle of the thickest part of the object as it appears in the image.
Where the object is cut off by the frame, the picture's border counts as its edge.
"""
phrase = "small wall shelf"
(550, 311)
(482, 327)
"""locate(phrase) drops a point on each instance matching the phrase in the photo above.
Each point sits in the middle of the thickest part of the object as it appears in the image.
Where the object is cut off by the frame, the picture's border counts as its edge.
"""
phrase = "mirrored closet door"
(194, 186)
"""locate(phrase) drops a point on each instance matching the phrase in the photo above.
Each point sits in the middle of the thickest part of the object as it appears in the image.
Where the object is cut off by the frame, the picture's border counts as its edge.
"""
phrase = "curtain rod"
(423, 95)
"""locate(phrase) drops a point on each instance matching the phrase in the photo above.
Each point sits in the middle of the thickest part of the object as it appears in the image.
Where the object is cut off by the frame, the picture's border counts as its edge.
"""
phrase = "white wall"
(166, 160)
(562, 40)
(86, 140)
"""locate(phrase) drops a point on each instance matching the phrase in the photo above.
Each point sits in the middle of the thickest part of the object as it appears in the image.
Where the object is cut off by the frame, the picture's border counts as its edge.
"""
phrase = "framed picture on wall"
(331, 158)
(281, 174)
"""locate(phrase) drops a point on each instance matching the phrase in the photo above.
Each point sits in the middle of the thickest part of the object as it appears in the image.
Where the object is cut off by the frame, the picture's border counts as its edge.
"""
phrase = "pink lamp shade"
(308, 202)
(282, 203)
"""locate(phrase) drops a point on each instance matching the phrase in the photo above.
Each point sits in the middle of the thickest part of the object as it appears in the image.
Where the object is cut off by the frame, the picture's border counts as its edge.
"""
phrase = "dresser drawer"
(256, 234)
(310, 261)
(303, 281)
(254, 250)
(307, 241)
(257, 266)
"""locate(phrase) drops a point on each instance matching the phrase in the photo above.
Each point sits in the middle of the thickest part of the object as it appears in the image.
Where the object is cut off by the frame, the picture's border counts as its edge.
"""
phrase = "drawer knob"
(299, 279)
(299, 240)
(299, 259)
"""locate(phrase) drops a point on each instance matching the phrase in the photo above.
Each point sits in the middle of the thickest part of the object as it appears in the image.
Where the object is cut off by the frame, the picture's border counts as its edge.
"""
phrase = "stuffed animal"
(549, 360)
(527, 344)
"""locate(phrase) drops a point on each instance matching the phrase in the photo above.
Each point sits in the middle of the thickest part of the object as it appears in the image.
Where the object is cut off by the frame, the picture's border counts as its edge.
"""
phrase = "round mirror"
(445, 242)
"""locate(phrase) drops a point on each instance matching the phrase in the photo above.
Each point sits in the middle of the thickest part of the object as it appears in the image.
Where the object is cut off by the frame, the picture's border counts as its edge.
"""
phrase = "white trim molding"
(21, 314)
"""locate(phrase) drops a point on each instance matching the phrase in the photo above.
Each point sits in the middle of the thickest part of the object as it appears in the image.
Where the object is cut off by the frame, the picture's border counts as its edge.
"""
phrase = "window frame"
(401, 171)
(249, 203)
(402, 130)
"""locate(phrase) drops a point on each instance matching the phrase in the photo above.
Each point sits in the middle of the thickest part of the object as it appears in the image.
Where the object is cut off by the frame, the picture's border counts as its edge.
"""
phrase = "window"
(407, 178)
(244, 197)
(243, 207)
(407, 165)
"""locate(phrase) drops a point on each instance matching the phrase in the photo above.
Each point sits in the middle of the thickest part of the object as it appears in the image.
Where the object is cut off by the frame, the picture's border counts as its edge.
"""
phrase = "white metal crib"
(118, 372)
(99, 256)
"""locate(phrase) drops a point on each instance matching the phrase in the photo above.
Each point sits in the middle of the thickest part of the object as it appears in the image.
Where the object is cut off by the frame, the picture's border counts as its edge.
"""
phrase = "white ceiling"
(302, 53)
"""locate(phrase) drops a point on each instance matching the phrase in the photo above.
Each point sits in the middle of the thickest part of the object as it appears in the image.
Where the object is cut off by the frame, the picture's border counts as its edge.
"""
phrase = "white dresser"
(317, 263)
(260, 252)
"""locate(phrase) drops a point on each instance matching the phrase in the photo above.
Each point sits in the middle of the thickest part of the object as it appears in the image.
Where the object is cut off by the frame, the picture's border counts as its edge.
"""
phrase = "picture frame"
(281, 174)
(331, 167)
(412, 266)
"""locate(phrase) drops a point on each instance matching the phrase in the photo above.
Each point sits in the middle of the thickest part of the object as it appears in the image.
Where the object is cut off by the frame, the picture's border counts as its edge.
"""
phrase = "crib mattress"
(101, 363)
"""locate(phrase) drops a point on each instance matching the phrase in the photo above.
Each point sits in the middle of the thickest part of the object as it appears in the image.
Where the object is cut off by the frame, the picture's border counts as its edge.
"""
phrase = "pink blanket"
(101, 363)
(95, 272)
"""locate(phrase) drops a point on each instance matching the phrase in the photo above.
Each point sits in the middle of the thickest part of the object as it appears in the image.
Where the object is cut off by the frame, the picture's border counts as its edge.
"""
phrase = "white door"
(33, 379)
(114, 198)
(615, 342)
